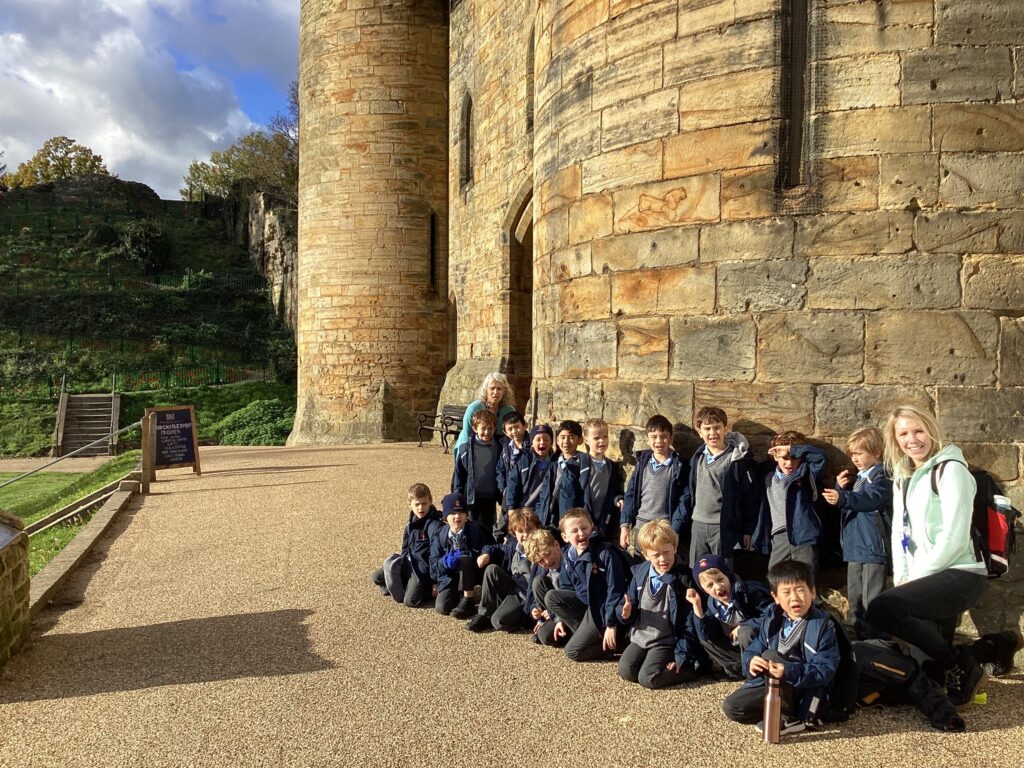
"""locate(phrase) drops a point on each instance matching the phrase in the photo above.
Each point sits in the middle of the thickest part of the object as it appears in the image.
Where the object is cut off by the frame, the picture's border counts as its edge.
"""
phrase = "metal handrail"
(69, 455)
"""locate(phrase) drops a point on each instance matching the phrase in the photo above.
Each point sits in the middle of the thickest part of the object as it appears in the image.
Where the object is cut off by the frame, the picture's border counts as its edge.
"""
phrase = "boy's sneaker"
(995, 651)
(479, 623)
(788, 725)
(464, 609)
(963, 678)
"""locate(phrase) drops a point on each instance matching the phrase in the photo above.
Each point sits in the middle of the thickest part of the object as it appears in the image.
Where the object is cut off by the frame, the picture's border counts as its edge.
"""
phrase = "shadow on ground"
(244, 645)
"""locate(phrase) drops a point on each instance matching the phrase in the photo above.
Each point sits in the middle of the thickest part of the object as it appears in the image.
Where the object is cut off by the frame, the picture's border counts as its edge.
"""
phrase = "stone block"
(856, 82)
(738, 47)
(590, 218)
(586, 298)
(810, 347)
(579, 139)
(904, 178)
(713, 348)
(994, 282)
(738, 240)
(760, 409)
(754, 286)
(936, 75)
(662, 248)
(866, 27)
(848, 183)
(561, 189)
(849, 233)
(573, 20)
(1018, 73)
(575, 399)
(643, 348)
(717, 149)
(968, 180)
(570, 263)
(582, 350)
(703, 15)
(552, 231)
(1003, 461)
(978, 127)
(740, 97)
(945, 348)
(960, 231)
(683, 290)
(1011, 352)
(904, 281)
(631, 165)
(981, 415)
(653, 206)
(839, 409)
(979, 22)
(632, 403)
(889, 130)
(627, 78)
(651, 116)
(748, 193)
(641, 28)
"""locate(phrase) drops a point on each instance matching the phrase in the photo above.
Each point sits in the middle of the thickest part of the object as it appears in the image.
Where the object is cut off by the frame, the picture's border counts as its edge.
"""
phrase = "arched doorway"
(519, 349)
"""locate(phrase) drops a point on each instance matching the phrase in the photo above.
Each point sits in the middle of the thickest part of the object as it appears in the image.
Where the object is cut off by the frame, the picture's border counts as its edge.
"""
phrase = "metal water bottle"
(772, 709)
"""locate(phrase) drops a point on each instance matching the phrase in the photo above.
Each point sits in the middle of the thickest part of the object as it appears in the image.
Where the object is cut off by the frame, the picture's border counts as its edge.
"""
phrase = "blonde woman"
(937, 572)
(496, 396)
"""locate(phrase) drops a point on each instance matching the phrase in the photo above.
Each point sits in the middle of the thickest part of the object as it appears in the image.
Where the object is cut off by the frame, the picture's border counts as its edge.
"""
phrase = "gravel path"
(229, 620)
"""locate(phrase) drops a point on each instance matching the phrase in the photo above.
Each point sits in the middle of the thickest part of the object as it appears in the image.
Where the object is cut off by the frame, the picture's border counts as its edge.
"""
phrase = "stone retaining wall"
(15, 622)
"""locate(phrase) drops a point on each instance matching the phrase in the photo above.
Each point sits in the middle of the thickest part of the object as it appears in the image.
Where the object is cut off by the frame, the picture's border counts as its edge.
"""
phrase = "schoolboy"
(530, 469)
(866, 510)
(726, 625)
(405, 576)
(562, 485)
(543, 551)
(454, 555)
(606, 481)
(476, 470)
(788, 526)
(657, 487)
(506, 597)
(722, 502)
(591, 584)
(663, 647)
(800, 641)
(514, 428)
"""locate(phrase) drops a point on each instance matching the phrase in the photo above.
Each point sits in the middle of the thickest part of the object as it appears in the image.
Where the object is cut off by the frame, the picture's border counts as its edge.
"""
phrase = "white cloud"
(112, 74)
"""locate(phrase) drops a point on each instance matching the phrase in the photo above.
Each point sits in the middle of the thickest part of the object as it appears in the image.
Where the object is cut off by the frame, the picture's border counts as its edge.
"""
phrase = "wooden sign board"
(177, 439)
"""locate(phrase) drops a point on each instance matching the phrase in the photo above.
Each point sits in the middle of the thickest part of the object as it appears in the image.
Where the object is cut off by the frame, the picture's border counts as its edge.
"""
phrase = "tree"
(58, 158)
(269, 158)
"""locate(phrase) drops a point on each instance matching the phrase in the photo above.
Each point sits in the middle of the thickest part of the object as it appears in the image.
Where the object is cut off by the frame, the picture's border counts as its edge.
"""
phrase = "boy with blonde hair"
(506, 597)
(543, 551)
(663, 648)
(865, 505)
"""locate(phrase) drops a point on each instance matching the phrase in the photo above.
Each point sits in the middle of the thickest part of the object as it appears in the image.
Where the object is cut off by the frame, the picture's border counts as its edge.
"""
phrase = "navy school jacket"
(462, 476)
(867, 519)
(502, 555)
(605, 519)
(802, 521)
(751, 597)
(416, 540)
(554, 502)
(820, 650)
(677, 492)
(507, 464)
(525, 476)
(598, 577)
(688, 652)
(474, 542)
(741, 494)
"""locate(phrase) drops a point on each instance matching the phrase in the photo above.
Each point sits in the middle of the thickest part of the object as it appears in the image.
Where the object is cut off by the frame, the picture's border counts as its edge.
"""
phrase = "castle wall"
(371, 324)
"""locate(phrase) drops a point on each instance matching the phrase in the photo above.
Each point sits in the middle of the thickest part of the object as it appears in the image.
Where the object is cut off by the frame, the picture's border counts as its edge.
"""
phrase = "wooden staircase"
(82, 419)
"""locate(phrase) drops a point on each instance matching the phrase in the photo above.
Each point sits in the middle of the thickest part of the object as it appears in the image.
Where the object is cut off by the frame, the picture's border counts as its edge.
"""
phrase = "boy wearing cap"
(531, 468)
(476, 470)
(456, 558)
(727, 623)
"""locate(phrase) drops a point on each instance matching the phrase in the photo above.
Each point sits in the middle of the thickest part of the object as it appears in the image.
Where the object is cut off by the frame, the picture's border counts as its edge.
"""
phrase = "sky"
(150, 85)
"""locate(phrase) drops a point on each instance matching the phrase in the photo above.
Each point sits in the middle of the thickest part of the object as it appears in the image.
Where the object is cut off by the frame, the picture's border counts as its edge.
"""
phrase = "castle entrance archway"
(519, 350)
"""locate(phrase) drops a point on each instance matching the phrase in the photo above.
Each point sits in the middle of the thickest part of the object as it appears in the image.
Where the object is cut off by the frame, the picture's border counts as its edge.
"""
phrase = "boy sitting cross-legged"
(729, 621)
(803, 638)
(605, 481)
(657, 488)
(406, 575)
(663, 648)
(591, 584)
(544, 552)
(506, 598)
(454, 557)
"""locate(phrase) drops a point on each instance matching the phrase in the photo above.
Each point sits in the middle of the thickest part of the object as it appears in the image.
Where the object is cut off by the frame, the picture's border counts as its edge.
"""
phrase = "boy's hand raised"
(694, 599)
(627, 607)
(845, 479)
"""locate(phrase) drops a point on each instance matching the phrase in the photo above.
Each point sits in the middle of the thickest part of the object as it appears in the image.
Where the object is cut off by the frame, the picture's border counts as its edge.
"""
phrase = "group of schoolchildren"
(616, 582)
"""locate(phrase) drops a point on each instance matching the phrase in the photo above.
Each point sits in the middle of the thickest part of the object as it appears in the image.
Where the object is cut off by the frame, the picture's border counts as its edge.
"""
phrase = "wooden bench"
(447, 423)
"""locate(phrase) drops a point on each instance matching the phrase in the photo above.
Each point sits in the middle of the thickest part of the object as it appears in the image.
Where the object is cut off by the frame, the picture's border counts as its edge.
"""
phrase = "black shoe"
(464, 609)
(955, 724)
(479, 623)
(995, 651)
(963, 678)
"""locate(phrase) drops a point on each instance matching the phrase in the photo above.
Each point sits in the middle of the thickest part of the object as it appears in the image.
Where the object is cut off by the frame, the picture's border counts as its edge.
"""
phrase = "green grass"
(44, 547)
(26, 428)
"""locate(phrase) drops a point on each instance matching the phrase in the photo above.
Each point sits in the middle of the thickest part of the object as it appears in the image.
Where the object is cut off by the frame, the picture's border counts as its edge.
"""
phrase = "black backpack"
(992, 527)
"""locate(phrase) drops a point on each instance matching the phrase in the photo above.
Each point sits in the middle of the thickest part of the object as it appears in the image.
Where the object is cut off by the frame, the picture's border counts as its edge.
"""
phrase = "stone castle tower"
(804, 211)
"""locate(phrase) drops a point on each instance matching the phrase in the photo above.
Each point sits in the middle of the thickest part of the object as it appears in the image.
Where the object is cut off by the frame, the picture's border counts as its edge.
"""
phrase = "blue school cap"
(709, 561)
(453, 502)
